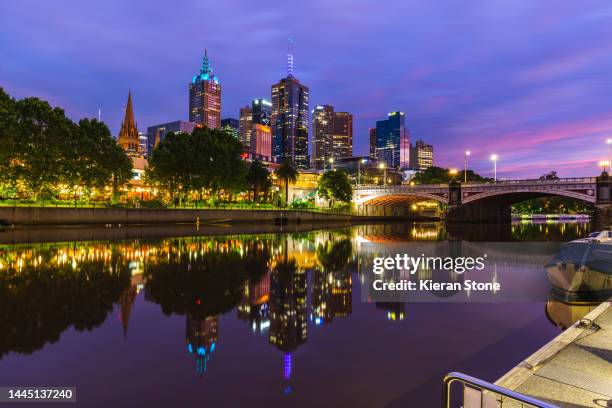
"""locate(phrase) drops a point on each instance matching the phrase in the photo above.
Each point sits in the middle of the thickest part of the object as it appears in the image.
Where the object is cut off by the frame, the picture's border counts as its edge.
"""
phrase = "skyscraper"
(372, 134)
(392, 141)
(128, 137)
(158, 132)
(245, 127)
(322, 141)
(421, 156)
(262, 111)
(261, 142)
(205, 97)
(343, 135)
(289, 119)
(230, 126)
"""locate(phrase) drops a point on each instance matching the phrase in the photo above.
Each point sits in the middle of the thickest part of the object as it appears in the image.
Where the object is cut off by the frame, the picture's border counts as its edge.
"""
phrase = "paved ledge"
(572, 370)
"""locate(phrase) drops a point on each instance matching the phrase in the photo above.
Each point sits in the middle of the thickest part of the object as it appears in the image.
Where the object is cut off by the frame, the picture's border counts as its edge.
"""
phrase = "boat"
(602, 237)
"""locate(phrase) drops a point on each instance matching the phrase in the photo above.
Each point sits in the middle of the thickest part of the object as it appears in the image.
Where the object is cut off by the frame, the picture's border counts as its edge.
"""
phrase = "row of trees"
(44, 154)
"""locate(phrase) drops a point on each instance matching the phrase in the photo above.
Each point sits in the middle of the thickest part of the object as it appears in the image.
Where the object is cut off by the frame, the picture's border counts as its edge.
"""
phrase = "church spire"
(128, 135)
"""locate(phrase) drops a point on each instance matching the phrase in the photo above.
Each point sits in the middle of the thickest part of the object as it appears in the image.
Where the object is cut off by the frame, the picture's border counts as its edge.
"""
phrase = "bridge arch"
(398, 199)
(517, 195)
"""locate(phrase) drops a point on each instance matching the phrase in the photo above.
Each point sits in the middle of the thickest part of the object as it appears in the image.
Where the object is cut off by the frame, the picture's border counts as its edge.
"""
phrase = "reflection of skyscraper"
(205, 97)
(202, 336)
(126, 302)
(254, 307)
(395, 310)
(392, 141)
(289, 121)
(331, 295)
(287, 306)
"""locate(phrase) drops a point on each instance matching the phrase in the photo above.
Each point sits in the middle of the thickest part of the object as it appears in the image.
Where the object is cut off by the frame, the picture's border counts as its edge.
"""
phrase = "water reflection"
(278, 284)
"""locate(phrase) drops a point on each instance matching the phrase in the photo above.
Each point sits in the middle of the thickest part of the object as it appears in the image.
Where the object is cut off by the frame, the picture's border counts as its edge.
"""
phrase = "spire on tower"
(206, 68)
(289, 58)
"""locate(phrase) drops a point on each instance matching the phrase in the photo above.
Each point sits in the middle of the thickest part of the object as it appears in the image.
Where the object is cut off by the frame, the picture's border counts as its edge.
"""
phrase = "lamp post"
(384, 168)
(465, 157)
(359, 163)
(494, 159)
(604, 165)
(331, 163)
(453, 173)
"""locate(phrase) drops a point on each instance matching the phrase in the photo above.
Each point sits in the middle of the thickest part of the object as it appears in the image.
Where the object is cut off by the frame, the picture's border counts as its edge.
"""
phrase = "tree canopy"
(335, 185)
(440, 175)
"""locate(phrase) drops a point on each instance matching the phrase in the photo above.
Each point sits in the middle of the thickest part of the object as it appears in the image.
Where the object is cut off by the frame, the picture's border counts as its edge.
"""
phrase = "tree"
(440, 175)
(335, 185)
(258, 178)
(289, 174)
(550, 176)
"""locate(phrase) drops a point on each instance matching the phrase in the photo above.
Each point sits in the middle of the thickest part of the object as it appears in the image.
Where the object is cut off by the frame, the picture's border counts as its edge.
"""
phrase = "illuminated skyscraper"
(245, 127)
(205, 97)
(261, 142)
(322, 140)
(262, 111)
(392, 141)
(289, 119)
(343, 135)
(372, 134)
(128, 138)
(421, 156)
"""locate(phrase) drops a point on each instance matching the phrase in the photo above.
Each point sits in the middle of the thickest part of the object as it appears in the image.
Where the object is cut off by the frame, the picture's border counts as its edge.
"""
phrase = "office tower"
(261, 142)
(343, 135)
(392, 141)
(128, 138)
(372, 134)
(245, 127)
(322, 139)
(230, 126)
(205, 97)
(143, 147)
(157, 133)
(262, 111)
(421, 155)
(289, 119)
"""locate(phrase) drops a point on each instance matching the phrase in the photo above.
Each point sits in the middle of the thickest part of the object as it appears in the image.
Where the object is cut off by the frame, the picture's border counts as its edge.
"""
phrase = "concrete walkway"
(574, 369)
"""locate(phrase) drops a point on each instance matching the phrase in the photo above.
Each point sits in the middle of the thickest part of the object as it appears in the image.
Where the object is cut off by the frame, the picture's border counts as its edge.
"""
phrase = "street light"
(359, 163)
(453, 173)
(384, 168)
(604, 165)
(494, 159)
(331, 163)
(467, 153)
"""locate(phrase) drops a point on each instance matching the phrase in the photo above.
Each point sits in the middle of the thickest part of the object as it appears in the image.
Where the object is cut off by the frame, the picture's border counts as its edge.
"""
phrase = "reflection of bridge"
(483, 201)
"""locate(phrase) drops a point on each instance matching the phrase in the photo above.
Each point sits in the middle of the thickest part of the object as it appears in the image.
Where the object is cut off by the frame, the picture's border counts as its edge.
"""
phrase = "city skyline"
(464, 76)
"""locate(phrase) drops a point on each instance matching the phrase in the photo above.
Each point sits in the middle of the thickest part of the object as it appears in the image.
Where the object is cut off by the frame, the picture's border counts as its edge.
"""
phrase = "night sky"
(528, 80)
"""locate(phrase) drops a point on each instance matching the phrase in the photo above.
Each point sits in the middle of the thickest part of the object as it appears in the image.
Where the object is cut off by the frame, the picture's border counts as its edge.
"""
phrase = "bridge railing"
(569, 180)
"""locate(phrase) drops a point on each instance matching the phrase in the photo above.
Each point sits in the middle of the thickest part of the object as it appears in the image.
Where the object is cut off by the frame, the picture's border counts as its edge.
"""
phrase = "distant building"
(205, 97)
(392, 141)
(332, 136)
(262, 111)
(230, 126)
(343, 135)
(245, 128)
(372, 134)
(157, 133)
(261, 142)
(421, 156)
(128, 137)
(322, 135)
(289, 119)
(143, 145)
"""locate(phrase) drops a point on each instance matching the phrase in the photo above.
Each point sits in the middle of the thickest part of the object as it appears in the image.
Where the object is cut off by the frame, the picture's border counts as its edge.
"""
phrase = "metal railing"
(489, 390)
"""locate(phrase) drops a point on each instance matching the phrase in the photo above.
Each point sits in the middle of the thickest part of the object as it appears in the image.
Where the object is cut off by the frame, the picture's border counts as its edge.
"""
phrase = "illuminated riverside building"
(392, 141)
(289, 120)
(205, 97)
(342, 140)
(202, 336)
(230, 126)
(421, 156)
(372, 136)
(245, 127)
(261, 142)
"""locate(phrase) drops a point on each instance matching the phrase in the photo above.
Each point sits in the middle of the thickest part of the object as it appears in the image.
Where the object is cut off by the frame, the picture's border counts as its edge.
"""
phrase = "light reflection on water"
(260, 305)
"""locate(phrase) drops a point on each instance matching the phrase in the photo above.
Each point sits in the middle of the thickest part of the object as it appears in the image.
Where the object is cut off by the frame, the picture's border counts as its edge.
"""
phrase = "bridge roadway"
(490, 201)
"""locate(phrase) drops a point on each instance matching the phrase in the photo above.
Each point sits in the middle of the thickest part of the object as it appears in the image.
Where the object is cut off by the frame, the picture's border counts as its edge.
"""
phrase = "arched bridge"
(483, 201)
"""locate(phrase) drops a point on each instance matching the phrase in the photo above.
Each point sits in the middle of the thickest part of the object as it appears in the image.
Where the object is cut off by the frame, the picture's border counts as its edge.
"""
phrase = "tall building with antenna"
(289, 118)
(205, 97)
